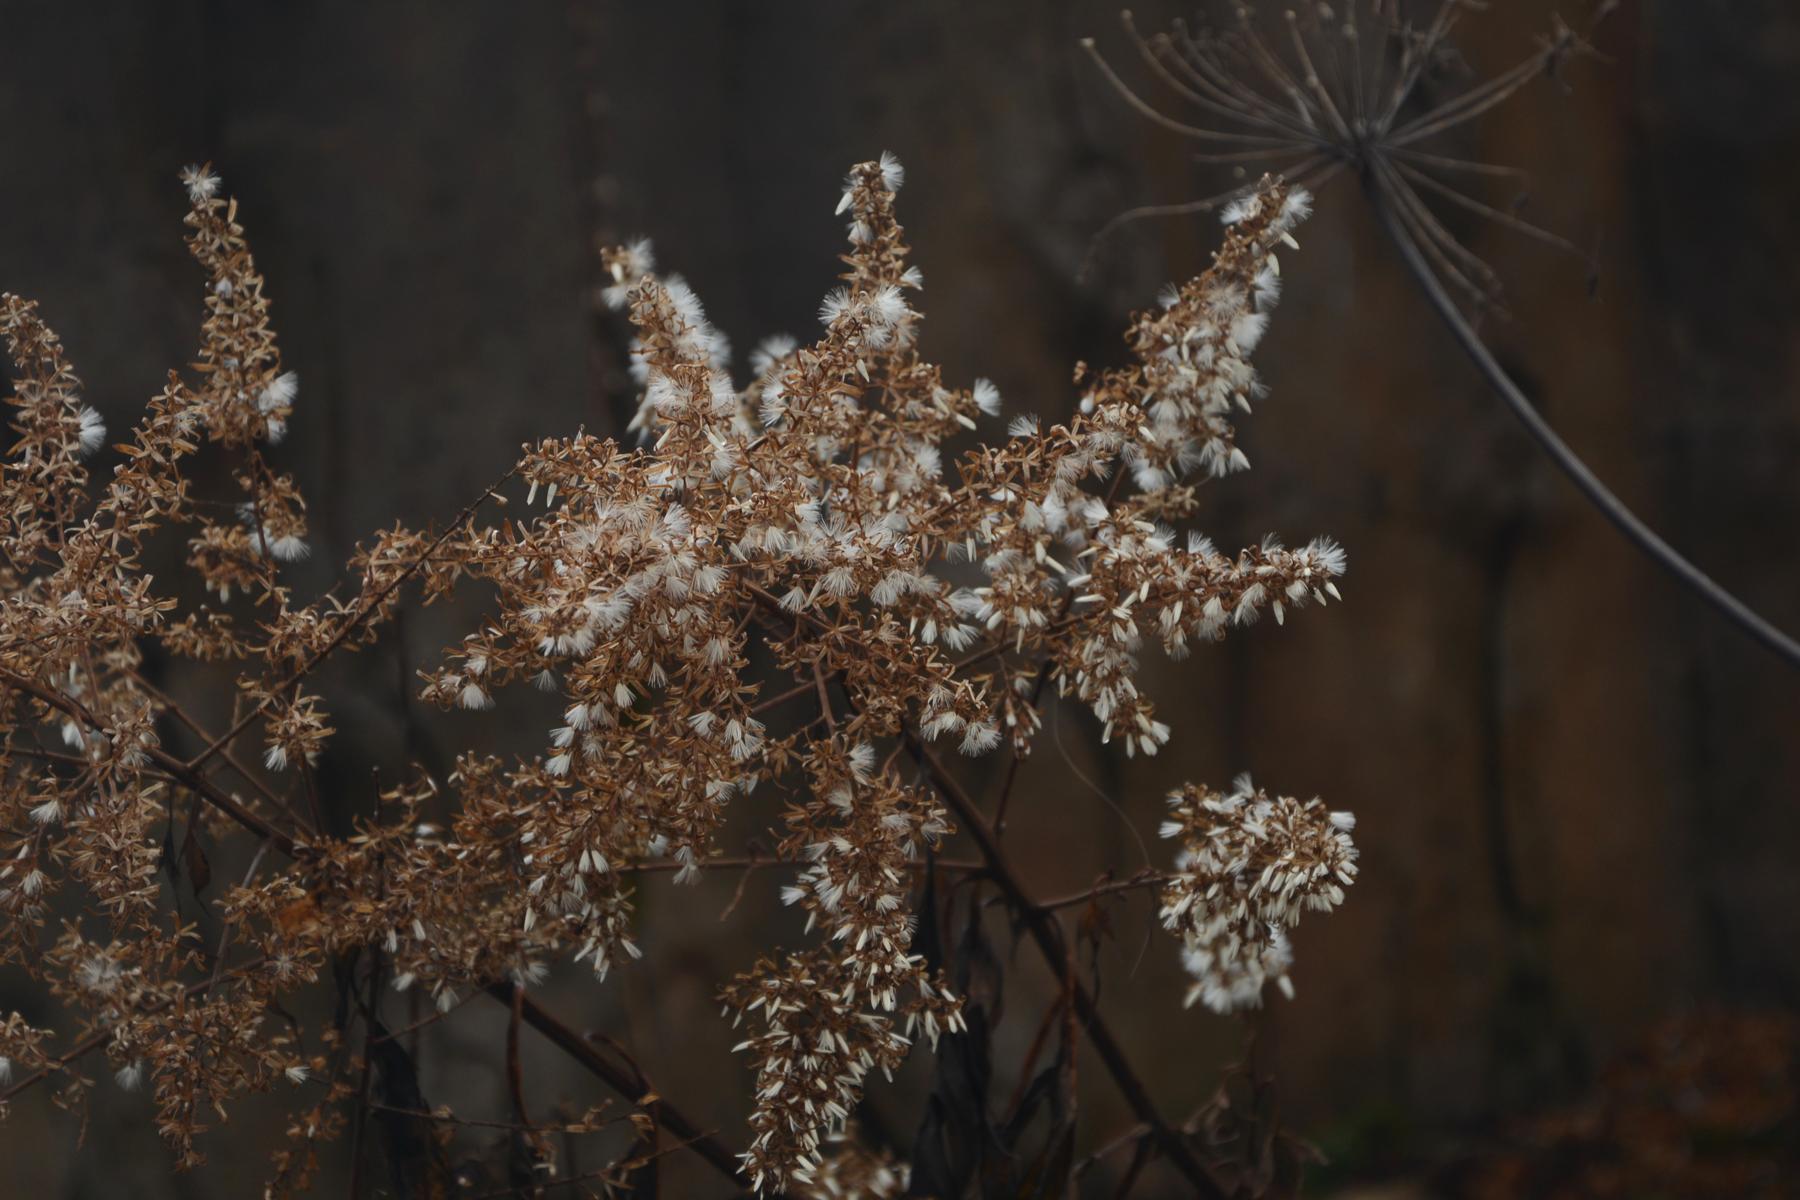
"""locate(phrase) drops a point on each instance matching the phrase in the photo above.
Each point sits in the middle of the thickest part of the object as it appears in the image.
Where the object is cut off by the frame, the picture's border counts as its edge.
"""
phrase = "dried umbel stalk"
(1316, 90)
(808, 512)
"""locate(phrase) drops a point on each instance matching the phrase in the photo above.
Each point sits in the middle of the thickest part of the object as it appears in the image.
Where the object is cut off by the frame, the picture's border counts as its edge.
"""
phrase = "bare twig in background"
(626, 1083)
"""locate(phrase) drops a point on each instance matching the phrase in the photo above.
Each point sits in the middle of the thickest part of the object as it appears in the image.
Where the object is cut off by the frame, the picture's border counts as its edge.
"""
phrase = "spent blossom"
(1249, 865)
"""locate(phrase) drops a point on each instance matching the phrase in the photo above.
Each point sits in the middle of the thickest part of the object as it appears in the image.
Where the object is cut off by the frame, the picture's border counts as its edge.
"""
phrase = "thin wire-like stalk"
(1270, 64)
(1378, 79)
(1426, 158)
(1232, 107)
(1314, 82)
(1487, 279)
(1597, 493)
(1353, 35)
(1405, 209)
(1493, 214)
(1480, 99)
(1294, 172)
(1151, 113)
(1201, 64)
(1412, 62)
(1238, 157)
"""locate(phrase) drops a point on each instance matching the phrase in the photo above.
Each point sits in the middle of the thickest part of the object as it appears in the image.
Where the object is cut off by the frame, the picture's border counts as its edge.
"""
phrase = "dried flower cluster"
(1249, 865)
(854, 1172)
(806, 518)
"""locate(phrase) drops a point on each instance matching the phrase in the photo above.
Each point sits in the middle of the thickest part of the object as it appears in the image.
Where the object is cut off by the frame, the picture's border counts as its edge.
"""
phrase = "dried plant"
(781, 591)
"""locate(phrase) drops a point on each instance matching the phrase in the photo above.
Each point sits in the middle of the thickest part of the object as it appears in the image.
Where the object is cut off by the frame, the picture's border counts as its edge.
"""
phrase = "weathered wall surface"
(1577, 788)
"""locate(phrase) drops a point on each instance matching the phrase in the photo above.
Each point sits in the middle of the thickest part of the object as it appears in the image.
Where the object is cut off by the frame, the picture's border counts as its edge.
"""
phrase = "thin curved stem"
(1498, 216)
(1460, 264)
(625, 1082)
(1449, 163)
(1241, 103)
(1610, 506)
(1294, 171)
(1152, 113)
(1144, 878)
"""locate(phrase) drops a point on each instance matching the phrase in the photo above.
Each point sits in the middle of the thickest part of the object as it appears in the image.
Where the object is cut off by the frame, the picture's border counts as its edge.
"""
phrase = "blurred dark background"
(1578, 790)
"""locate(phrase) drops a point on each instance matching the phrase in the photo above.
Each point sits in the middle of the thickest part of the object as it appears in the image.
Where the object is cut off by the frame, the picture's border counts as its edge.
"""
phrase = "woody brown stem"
(168, 764)
(619, 1079)
(1047, 935)
(1143, 879)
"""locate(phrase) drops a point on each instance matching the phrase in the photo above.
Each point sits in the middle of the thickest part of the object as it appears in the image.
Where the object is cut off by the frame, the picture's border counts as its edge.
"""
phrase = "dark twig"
(165, 762)
(515, 1073)
(1048, 937)
(1143, 879)
(620, 1080)
(366, 1089)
